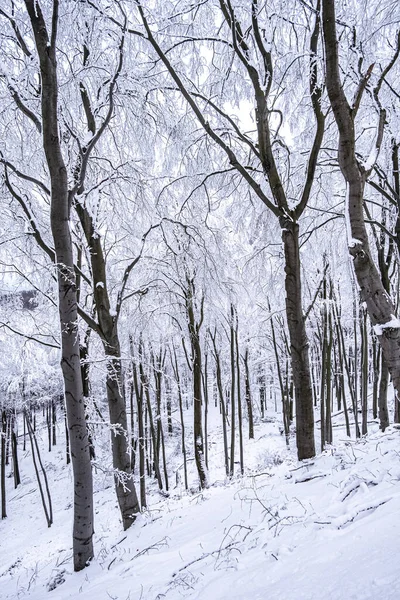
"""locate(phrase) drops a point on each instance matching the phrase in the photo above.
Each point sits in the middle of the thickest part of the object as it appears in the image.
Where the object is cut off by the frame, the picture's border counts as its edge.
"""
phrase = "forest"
(199, 281)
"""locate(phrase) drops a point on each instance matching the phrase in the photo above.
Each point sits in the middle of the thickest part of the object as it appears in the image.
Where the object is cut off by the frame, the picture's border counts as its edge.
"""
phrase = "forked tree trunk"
(379, 305)
(60, 214)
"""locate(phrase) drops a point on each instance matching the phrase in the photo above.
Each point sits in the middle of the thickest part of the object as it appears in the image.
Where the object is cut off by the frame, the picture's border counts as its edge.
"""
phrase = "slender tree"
(45, 43)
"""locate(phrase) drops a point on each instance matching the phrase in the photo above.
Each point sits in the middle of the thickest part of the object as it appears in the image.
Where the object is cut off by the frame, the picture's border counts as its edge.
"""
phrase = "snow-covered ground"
(326, 528)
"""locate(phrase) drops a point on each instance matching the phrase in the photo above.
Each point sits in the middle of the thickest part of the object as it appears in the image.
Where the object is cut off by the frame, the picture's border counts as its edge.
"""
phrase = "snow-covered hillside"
(289, 531)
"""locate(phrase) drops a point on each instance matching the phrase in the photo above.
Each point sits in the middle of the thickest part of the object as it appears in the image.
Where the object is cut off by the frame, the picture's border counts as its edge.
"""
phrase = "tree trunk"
(239, 398)
(221, 401)
(124, 484)
(249, 403)
(194, 331)
(60, 214)
(378, 302)
(261, 383)
(298, 342)
(14, 450)
(284, 398)
(364, 373)
(108, 331)
(175, 368)
(141, 435)
(375, 382)
(382, 398)
(205, 387)
(149, 414)
(3, 463)
(233, 390)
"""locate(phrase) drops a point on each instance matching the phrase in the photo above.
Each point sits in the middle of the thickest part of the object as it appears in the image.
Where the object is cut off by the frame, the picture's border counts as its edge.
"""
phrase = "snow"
(371, 160)
(284, 531)
(347, 215)
(394, 323)
(100, 284)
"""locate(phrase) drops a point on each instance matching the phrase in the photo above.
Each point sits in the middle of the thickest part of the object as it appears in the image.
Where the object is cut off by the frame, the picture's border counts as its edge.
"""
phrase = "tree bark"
(60, 214)
(3, 463)
(194, 331)
(233, 391)
(379, 305)
(175, 369)
(382, 398)
(298, 342)
(108, 331)
(249, 402)
(221, 400)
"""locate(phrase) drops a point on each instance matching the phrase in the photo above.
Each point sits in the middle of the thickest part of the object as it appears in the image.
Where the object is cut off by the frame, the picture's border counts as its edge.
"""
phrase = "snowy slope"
(325, 528)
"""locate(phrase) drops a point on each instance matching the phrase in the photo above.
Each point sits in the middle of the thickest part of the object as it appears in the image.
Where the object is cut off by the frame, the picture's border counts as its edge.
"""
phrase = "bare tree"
(45, 43)
(355, 171)
(246, 45)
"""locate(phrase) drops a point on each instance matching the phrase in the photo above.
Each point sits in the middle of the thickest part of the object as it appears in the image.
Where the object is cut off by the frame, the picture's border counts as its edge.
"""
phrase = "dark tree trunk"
(261, 383)
(364, 373)
(382, 398)
(239, 398)
(141, 434)
(8, 437)
(3, 464)
(84, 356)
(284, 398)
(205, 382)
(341, 358)
(221, 401)
(60, 214)
(149, 414)
(14, 448)
(298, 342)
(124, 484)
(54, 422)
(375, 382)
(249, 403)
(36, 458)
(158, 365)
(233, 391)
(175, 368)
(194, 333)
